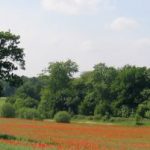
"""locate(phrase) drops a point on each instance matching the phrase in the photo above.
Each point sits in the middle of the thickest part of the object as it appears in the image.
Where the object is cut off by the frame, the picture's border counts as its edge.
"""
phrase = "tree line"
(103, 92)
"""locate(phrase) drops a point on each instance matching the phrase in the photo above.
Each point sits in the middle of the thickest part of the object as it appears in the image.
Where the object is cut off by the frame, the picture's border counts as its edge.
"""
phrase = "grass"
(14, 147)
(11, 147)
(112, 121)
(9, 142)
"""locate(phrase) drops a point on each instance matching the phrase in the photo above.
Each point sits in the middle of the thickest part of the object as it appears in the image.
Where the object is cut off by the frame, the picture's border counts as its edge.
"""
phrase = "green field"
(14, 147)
(11, 147)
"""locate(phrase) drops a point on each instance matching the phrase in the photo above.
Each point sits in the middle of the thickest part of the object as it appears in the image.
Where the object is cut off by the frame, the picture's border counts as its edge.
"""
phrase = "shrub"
(97, 117)
(138, 120)
(7, 110)
(7, 137)
(147, 114)
(19, 103)
(141, 110)
(28, 113)
(79, 117)
(102, 109)
(62, 117)
(125, 111)
(106, 117)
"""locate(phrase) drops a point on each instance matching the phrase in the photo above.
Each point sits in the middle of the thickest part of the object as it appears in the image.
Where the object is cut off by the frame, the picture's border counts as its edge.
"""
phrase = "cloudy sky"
(116, 32)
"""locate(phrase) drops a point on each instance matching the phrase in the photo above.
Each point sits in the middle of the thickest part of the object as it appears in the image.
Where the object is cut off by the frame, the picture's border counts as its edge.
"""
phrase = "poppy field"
(47, 135)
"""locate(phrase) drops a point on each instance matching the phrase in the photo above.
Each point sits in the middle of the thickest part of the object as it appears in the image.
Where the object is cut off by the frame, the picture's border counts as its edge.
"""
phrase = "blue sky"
(115, 32)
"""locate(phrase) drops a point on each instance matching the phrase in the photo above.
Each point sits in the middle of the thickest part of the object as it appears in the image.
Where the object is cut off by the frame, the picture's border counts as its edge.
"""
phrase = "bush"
(142, 108)
(107, 117)
(138, 120)
(102, 109)
(28, 113)
(7, 110)
(147, 114)
(97, 117)
(62, 117)
(125, 111)
(7, 137)
(79, 117)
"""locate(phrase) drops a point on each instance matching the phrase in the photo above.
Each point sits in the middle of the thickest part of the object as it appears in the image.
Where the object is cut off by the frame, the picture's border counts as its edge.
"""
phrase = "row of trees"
(105, 91)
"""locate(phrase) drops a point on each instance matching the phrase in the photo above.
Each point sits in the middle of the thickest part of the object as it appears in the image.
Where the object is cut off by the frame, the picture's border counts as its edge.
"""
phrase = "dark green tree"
(58, 95)
(11, 57)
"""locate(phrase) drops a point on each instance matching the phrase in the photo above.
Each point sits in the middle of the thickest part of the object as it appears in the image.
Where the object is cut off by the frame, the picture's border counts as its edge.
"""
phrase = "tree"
(130, 82)
(103, 77)
(11, 57)
(58, 95)
(60, 74)
(88, 105)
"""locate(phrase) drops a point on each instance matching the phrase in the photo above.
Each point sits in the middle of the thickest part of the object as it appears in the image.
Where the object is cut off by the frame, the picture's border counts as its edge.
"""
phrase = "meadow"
(48, 135)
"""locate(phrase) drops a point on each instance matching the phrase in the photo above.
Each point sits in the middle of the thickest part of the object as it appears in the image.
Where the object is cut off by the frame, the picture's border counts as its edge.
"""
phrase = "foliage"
(7, 89)
(138, 120)
(147, 114)
(62, 117)
(88, 105)
(31, 87)
(28, 113)
(11, 57)
(124, 111)
(56, 96)
(7, 110)
(7, 137)
(103, 109)
(103, 92)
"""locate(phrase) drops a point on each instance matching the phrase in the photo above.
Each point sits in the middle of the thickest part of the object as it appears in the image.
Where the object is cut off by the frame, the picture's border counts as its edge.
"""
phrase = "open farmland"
(54, 136)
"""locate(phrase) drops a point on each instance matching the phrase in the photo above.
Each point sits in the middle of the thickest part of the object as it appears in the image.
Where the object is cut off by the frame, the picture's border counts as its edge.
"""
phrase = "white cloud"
(76, 7)
(123, 23)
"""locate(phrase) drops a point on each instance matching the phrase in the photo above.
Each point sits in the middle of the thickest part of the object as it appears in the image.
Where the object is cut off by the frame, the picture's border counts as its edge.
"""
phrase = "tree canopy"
(11, 57)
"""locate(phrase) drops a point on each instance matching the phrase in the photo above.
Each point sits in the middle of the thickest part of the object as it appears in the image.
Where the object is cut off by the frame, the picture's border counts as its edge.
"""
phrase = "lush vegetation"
(102, 93)
(62, 117)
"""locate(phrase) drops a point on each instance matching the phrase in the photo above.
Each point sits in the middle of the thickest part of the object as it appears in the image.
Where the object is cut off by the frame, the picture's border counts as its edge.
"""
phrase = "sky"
(115, 32)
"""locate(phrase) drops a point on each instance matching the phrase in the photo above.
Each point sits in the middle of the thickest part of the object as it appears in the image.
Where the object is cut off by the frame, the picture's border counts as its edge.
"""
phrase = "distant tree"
(88, 105)
(60, 74)
(31, 87)
(58, 95)
(129, 84)
(7, 89)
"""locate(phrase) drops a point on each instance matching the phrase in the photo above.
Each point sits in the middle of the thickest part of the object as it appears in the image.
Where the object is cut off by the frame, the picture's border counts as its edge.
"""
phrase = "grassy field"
(8, 146)
(113, 121)
(74, 136)
(13, 147)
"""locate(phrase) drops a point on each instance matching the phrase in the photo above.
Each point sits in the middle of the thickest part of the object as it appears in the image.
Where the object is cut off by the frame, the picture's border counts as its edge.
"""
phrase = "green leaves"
(11, 56)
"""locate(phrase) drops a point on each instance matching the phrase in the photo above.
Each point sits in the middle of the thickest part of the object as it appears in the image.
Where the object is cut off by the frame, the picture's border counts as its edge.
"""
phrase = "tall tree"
(58, 95)
(11, 57)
